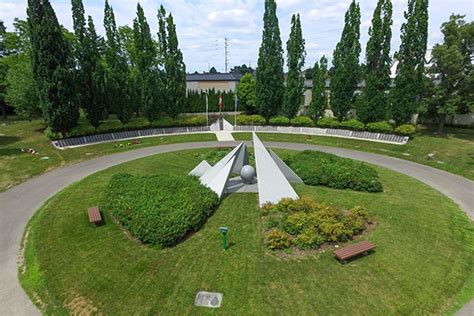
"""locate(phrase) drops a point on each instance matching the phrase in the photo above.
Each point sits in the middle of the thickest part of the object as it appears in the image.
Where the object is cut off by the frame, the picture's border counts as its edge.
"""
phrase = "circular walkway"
(19, 203)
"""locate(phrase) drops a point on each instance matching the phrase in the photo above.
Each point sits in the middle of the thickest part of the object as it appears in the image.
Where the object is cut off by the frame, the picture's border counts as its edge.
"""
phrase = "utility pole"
(226, 45)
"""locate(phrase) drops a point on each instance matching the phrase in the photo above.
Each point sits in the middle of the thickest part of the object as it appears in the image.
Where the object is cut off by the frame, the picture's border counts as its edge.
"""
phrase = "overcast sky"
(202, 25)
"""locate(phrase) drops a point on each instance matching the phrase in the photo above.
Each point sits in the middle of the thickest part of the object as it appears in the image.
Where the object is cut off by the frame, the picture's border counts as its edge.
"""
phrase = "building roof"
(218, 76)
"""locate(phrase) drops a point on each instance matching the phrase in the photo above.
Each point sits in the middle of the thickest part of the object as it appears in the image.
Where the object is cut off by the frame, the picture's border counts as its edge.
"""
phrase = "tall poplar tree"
(175, 72)
(270, 81)
(296, 56)
(374, 104)
(145, 75)
(90, 72)
(117, 72)
(318, 96)
(52, 64)
(346, 64)
(409, 82)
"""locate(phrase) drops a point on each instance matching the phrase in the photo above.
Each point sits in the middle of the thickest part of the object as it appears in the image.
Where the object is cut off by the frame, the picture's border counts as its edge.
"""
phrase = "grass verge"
(453, 153)
(422, 265)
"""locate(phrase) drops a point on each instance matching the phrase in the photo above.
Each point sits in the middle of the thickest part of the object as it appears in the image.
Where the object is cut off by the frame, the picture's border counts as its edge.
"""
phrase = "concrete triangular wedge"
(218, 183)
(211, 173)
(200, 169)
(290, 175)
(272, 183)
(241, 160)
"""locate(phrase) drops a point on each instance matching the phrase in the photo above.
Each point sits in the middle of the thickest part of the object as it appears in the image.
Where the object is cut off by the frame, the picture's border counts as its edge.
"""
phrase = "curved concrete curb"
(19, 203)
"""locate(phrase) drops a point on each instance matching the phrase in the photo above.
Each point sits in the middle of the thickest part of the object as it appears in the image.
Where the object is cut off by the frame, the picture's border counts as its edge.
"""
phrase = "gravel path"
(19, 203)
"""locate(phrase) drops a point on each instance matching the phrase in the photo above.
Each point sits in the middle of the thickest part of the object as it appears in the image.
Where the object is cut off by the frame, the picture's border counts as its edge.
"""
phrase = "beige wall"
(206, 85)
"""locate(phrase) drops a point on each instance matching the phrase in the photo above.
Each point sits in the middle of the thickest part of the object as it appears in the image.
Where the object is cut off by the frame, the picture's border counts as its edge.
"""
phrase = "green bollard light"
(224, 231)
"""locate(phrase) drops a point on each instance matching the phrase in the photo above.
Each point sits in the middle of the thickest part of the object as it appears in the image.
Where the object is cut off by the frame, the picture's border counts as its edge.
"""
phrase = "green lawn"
(453, 153)
(422, 264)
(18, 166)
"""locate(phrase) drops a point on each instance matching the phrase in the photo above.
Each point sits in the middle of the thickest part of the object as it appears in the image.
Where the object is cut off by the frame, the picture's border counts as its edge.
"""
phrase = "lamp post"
(224, 231)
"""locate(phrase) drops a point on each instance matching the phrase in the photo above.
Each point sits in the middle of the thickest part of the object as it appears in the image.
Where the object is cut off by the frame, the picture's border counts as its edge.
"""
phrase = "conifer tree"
(346, 64)
(319, 97)
(270, 81)
(52, 64)
(374, 104)
(175, 69)
(117, 72)
(295, 82)
(407, 92)
(145, 64)
(90, 72)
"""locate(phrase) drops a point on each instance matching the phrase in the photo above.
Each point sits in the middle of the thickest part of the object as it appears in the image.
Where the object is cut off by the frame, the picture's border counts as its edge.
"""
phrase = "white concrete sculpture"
(273, 175)
(272, 183)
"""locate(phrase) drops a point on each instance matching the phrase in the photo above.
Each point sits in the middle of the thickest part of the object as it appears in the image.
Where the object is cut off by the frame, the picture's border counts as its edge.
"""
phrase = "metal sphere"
(247, 173)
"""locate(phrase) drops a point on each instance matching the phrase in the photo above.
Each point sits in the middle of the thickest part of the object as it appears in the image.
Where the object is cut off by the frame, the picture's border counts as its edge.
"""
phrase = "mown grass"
(18, 166)
(453, 153)
(422, 264)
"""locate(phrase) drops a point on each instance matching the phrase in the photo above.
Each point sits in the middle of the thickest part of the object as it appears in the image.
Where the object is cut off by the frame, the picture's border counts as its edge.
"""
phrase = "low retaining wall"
(103, 138)
(317, 131)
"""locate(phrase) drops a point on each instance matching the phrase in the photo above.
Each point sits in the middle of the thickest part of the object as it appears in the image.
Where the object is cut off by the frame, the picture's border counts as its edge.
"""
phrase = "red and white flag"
(220, 103)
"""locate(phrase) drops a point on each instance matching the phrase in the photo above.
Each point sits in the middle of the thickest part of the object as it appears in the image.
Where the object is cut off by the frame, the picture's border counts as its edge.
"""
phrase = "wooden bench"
(94, 215)
(348, 252)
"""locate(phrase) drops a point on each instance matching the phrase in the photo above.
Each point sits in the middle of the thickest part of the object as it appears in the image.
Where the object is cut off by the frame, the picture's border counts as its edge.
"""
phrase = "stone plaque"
(208, 299)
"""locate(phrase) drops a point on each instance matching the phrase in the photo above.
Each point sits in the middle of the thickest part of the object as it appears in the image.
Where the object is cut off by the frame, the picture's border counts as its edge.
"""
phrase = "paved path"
(224, 136)
(19, 203)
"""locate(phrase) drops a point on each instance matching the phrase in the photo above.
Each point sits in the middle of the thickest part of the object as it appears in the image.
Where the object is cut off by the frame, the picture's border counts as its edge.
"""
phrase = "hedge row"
(306, 224)
(327, 122)
(318, 168)
(160, 209)
(112, 126)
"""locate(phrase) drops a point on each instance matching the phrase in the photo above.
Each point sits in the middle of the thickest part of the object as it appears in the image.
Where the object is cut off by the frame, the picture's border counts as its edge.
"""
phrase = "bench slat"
(353, 250)
(94, 215)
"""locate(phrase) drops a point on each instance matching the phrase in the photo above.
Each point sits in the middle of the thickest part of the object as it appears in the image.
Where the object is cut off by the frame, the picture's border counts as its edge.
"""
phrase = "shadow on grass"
(11, 152)
(6, 140)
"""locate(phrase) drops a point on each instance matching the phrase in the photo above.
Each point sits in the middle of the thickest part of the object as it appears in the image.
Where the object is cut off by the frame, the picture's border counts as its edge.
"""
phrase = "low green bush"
(317, 168)
(380, 127)
(406, 130)
(255, 119)
(276, 239)
(302, 121)
(353, 125)
(159, 209)
(328, 122)
(51, 135)
(279, 121)
(308, 224)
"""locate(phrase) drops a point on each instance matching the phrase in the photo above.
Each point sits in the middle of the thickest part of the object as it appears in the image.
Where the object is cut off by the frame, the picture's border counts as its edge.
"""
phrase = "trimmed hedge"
(353, 124)
(307, 224)
(328, 122)
(255, 119)
(406, 130)
(380, 127)
(279, 121)
(114, 125)
(317, 168)
(160, 209)
(302, 121)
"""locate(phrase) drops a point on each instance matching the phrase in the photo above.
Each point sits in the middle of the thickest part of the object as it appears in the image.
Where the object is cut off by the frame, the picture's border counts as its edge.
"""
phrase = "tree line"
(127, 72)
(443, 89)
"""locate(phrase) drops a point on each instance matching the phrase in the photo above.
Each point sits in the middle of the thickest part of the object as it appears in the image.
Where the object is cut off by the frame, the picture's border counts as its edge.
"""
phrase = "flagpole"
(235, 109)
(207, 109)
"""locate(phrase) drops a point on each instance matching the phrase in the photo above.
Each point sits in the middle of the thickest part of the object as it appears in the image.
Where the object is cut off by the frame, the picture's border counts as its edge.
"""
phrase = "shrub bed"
(279, 121)
(302, 121)
(353, 125)
(317, 168)
(114, 125)
(406, 130)
(161, 209)
(255, 119)
(380, 127)
(307, 224)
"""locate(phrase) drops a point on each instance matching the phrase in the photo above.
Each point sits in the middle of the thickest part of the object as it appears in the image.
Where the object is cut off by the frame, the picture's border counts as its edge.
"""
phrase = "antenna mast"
(226, 45)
